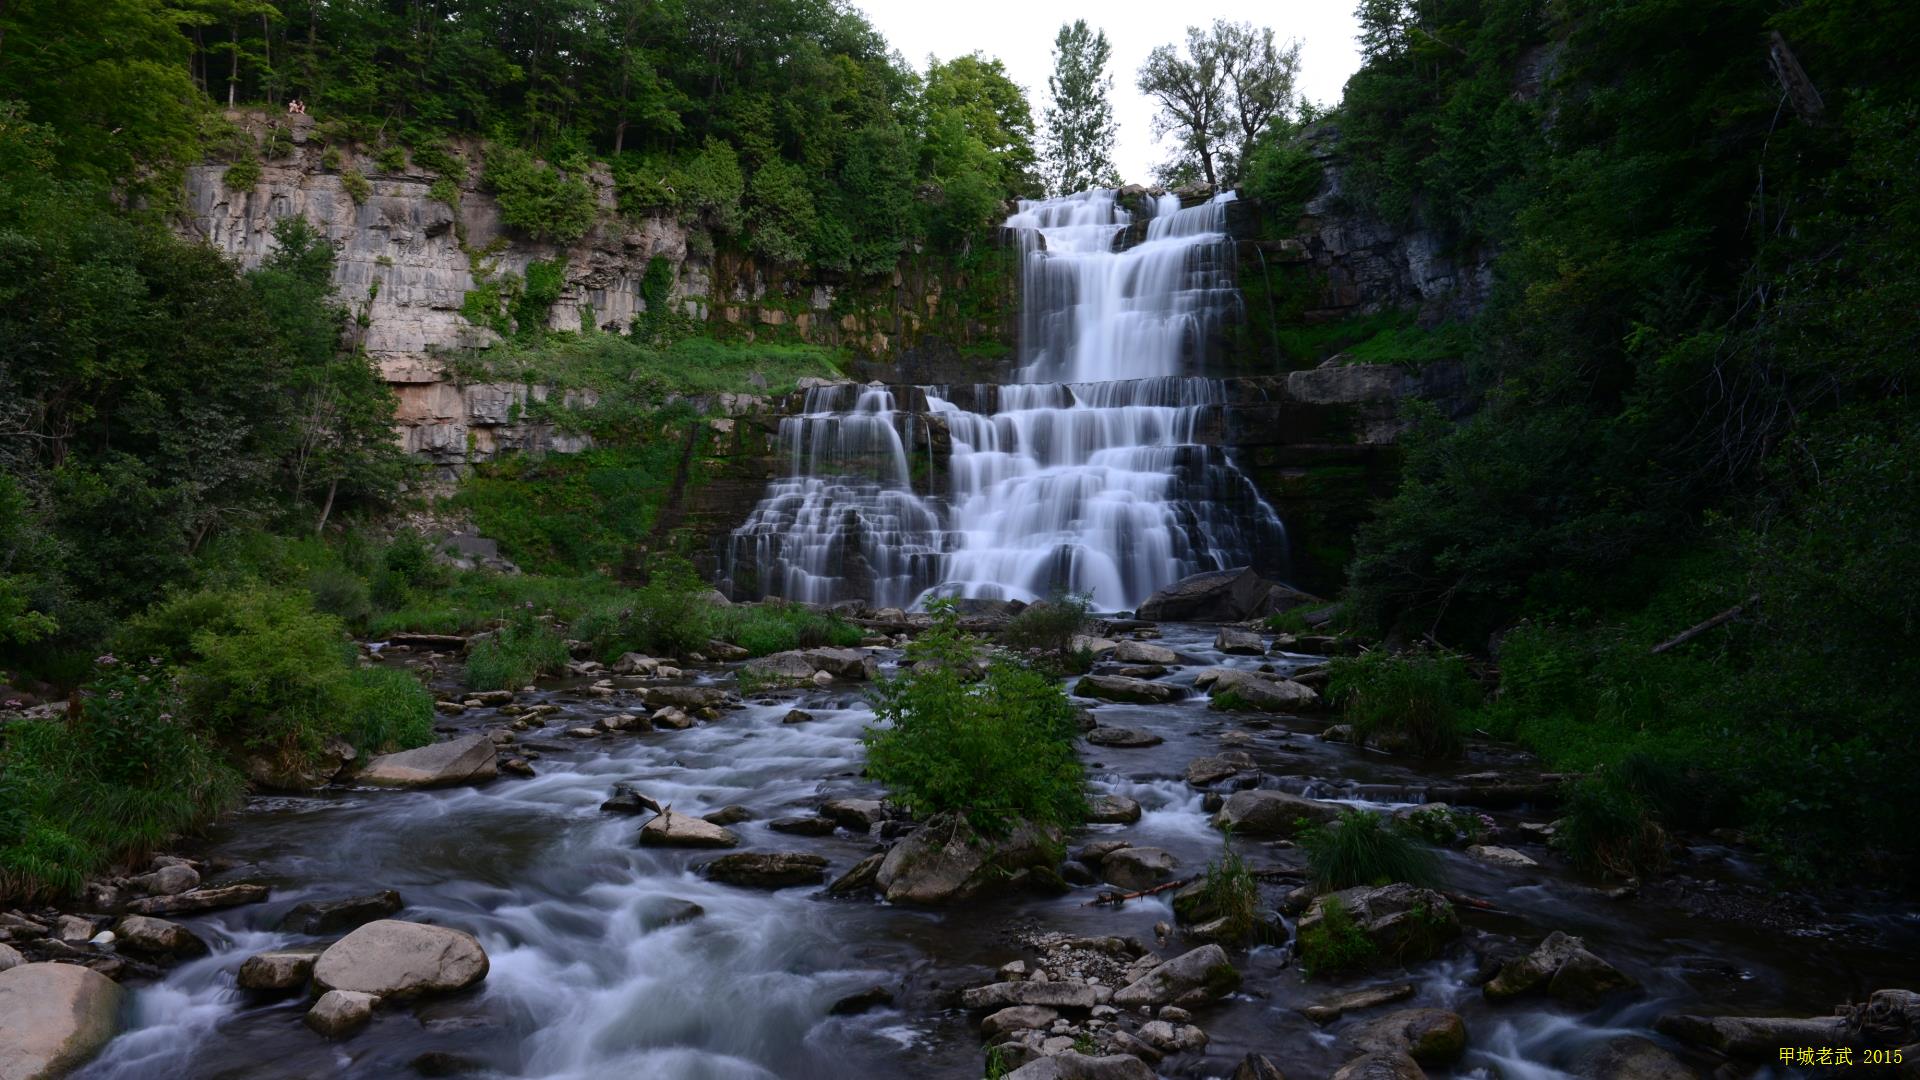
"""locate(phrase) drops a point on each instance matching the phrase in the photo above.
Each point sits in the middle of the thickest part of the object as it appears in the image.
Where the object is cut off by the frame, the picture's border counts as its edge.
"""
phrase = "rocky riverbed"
(640, 871)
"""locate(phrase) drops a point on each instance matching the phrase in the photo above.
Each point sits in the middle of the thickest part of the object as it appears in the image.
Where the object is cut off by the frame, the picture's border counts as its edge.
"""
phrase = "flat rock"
(1266, 813)
(803, 826)
(1055, 994)
(857, 815)
(1191, 978)
(668, 829)
(1428, 1036)
(402, 959)
(1120, 738)
(1238, 689)
(1018, 1018)
(341, 1012)
(842, 663)
(1143, 652)
(686, 697)
(1112, 810)
(1327, 1010)
(1238, 642)
(1072, 1065)
(278, 969)
(466, 760)
(1754, 1037)
(1206, 771)
(1215, 596)
(942, 862)
(1501, 856)
(1122, 689)
(54, 1018)
(768, 870)
(225, 896)
(336, 916)
(1135, 868)
(153, 937)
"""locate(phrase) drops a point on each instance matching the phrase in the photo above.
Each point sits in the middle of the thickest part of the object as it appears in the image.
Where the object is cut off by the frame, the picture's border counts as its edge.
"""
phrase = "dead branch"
(1692, 632)
(1116, 899)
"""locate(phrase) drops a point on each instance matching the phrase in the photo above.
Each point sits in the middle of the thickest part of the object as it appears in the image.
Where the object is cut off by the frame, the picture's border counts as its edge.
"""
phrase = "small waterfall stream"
(1090, 474)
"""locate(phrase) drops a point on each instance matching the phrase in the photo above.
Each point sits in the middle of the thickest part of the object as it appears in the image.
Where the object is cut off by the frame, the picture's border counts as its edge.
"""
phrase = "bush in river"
(1335, 943)
(1415, 701)
(519, 652)
(1229, 891)
(1049, 625)
(1365, 848)
(997, 749)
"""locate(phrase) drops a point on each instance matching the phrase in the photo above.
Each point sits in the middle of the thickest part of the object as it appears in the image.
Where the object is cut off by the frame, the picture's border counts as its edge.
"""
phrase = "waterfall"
(1089, 475)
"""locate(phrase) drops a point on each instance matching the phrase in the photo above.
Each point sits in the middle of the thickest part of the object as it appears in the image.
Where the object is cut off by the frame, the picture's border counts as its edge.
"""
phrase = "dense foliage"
(1080, 130)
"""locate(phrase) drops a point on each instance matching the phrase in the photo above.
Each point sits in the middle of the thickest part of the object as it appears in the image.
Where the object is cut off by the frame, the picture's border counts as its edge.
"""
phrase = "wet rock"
(1501, 856)
(1191, 978)
(334, 916)
(1141, 652)
(1401, 920)
(1630, 1057)
(856, 815)
(73, 929)
(1428, 1036)
(797, 716)
(1381, 1067)
(10, 957)
(1327, 1010)
(660, 911)
(1235, 642)
(159, 938)
(627, 800)
(1072, 1065)
(856, 664)
(686, 697)
(1206, 771)
(1216, 596)
(466, 760)
(1136, 671)
(278, 969)
(1135, 868)
(945, 861)
(859, 879)
(1235, 688)
(1753, 1037)
(878, 997)
(167, 880)
(803, 826)
(54, 1017)
(1112, 810)
(199, 900)
(1120, 738)
(1256, 1067)
(728, 815)
(1128, 1043)
(1054, 994)
(671, 718)
(779, 669)
(341, 1012)
(1122, 689)
(1265, 813)
(401, 959)
(1173, 1038)
(768, 869)
(668, 829)
(634, 663)
(1018, 1018)
(1340, 733)
(1561, 967)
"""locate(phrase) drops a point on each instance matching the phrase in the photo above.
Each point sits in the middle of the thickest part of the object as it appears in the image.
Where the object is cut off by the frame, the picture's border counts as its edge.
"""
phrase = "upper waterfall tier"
(1085, 475)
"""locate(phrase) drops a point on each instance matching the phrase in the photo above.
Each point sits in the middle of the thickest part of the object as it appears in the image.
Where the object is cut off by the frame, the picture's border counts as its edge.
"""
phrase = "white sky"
(1020, 33)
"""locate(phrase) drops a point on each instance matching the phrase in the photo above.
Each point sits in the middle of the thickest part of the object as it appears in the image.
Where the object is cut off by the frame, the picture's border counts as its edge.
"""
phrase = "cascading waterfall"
(1089, 475)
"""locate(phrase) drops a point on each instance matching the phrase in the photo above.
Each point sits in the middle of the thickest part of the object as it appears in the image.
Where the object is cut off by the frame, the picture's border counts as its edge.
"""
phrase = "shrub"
(536, 197)
(391, 159)
(279, 143)
(996, 751)
(441, 161)
(515, 655)
(1049, 625)
(445, 190)
(669, 616)
(776, 627)
(407, 563)
(341, 593)
(1611, 826)
(1231, 892)
(267, 672)
(1411, 701)
(1448, 826)
(330, 159)
(1365, 848)
(242, 175)
(356, 185)
(386, 709)
(711, 187)
(1335, 943)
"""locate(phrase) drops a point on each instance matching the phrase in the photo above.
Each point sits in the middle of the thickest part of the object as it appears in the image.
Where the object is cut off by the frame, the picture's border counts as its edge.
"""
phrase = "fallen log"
(1116, 899)
(1692, 632)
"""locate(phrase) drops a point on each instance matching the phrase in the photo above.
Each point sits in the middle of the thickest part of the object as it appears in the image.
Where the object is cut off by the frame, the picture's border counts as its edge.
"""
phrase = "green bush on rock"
(1364, 848)
(1411, 702)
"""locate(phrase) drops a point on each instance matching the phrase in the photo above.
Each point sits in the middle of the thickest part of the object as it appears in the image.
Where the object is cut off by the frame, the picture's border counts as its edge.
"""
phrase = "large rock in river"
(1234, 688)
(844, 663)
(1402, 921)
(779, 669)
(402, 959)
(1188, 979)
(1263, 812)
(768, 870)
(457, 761)
(1561, 967)
(1073, 1065)
(1216, 596)
(1121, 688)
(53, 1018)
(944, 861)
(669, 829)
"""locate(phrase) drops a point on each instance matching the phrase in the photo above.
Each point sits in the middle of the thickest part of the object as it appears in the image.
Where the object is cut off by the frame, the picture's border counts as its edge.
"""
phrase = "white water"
(1091, 474)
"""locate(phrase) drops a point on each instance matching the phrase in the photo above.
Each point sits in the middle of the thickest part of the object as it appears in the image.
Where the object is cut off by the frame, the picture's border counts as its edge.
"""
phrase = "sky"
(1021, 32)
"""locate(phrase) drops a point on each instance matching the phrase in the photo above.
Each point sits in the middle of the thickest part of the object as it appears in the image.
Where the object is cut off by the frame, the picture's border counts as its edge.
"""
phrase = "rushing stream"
(601, 969)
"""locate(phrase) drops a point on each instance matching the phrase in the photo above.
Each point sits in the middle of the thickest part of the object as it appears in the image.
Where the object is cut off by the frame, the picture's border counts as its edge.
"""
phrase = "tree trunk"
(326, 510)
(266, 61)
(233, 73)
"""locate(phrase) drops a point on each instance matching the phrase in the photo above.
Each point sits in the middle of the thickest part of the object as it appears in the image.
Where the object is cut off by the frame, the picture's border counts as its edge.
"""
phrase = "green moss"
(1335, 943)
(356, 184)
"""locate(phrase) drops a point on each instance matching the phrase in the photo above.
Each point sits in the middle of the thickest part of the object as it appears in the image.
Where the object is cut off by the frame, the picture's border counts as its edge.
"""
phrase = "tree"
(1080, 129)
(1229, 88)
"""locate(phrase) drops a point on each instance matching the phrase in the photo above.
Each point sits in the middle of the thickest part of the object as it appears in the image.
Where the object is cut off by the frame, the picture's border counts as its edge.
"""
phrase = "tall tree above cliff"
(1217, 100)
(1080, 128)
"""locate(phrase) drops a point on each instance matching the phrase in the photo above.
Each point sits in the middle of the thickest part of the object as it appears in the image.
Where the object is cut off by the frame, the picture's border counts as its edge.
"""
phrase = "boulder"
(732, 814)
(53, 1018)
(337, 916)
(634, 663)
(1237, 642)
(1501, 856)
(945, 861)
(859, 879)
(1217, 596)
(1018, 1018)
(1142, 652)
(1120, 738)
(1206, 771)
(301, 772)
(10, 957)
(1112, 810)
(779, 669)
(857, 664)
(671, 717)
(1754, 1037)
(1266, 813)
(1256, 1067)
(199, 900)
(1234, 688)
(401, 959)
(803, 826)
(686, 697)
(1560, 967)
(857, 815)
(797, 716)
(1122, 689)
(628, 800)
(1134, 868)
(1053, 994)
(768, 869)
(1630, 1057)
(1428, 1036)
(874, 997)
(1172, 1038)
(1327, 1010)
(668, 829)
(341, 1012)
(1401, 920)
(278, 969)
(467, 760)
(1191, 978)
(167, 880)
(1381, 1067)
(153, 937)
(1072, 1065)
